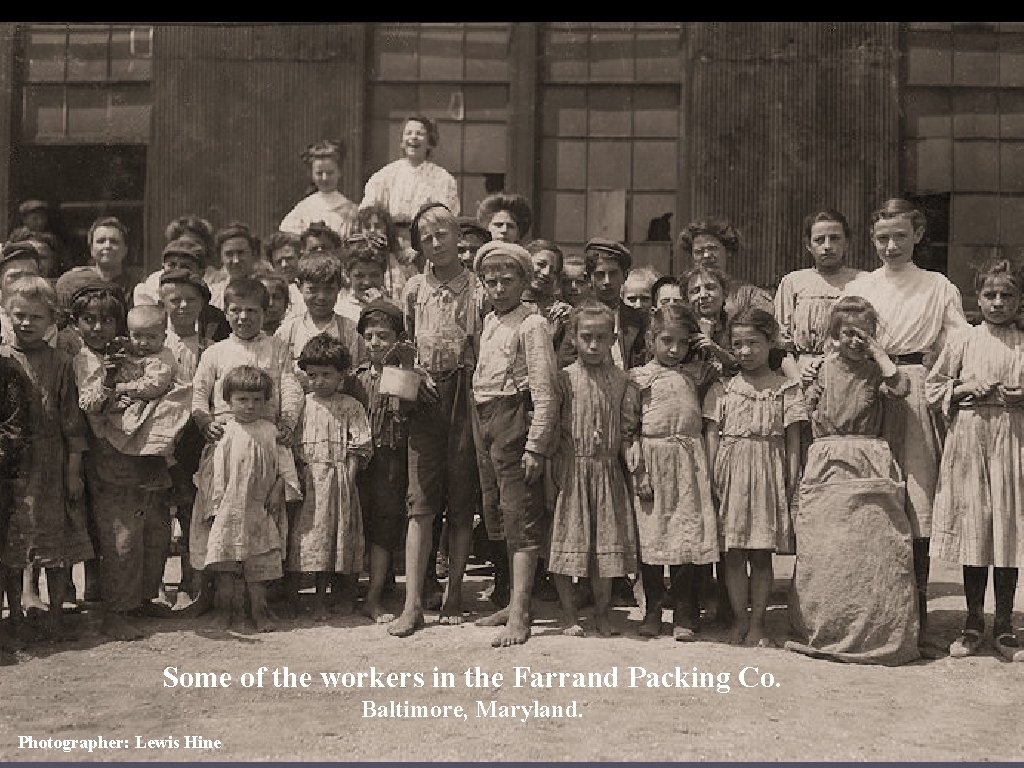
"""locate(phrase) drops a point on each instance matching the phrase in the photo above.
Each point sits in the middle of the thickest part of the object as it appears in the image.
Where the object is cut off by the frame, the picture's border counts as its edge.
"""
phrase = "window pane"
(395, 102)
(610, 112)
(608, 165)
(441, 102)
(565, 216)
(930, 165)
(472, 190)
(486, 148)
(486, 102)
(88, 114)
(656, 111)
(130, 107)
(655, 255)
(928, 113)
(657, 55)
(606, 214)
(395, 56)
(487, 52)
(131, 53)
(976, 166)
(440, 52)
(45, 51)
(929, 59)
(566, 53)
(1011, 231)
(654, 165)
(1011, 61)
(651, 217)
(975, 61)
(611, 56)
(976, 114)
(1012, 167)
(44, 112)
(564, 164)
(1011, 117)
(382, 149)
(87, 53)
(565, 112)
(448, 153)
(975, 219)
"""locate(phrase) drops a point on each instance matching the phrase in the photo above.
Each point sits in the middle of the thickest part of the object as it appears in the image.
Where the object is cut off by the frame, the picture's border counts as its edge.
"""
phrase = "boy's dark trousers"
(683, 591)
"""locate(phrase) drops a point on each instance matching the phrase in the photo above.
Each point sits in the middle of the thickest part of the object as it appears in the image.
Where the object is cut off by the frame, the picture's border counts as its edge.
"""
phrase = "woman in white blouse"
(412, 181)
(326, 204)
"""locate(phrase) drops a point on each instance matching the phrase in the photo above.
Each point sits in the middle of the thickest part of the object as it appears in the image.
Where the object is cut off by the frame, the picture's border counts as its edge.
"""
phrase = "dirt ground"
(947, 709)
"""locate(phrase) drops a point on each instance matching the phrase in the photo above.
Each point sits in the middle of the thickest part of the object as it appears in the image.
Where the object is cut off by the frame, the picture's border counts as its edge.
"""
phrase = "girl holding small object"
(754, 448)
(332, 443)
(593, 533)
(675, 512)
(707, 288)
(979, 519)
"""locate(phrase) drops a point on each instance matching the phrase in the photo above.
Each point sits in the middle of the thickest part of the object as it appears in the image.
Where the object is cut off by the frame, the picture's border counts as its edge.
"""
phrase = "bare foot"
(739, 633)
(117, 627)
(377, 613)
(263, 621)
(451, 609)
(603, 624)
(574, 630)
(201, 606)
(497, 619)
(405, 624)
(151, 610)
(33, 602)
(516, 632)
(757, 637)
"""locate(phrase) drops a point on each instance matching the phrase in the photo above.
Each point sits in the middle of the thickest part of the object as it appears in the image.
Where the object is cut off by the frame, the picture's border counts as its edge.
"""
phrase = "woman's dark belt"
(913, 358)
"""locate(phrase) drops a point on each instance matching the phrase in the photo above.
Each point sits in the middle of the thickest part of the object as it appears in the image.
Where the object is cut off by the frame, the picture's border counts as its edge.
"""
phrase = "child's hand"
(75, 486)
(972, 388)
(284, 434)
(533, 465)
(810, 371)
(702, 342)
(213, 432)
(559, 312)
(644, 489)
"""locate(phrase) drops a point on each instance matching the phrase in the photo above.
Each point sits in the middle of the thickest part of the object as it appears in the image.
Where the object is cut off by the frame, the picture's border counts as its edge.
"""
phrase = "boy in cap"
(472, 234)
(516, 400)
(16, 260)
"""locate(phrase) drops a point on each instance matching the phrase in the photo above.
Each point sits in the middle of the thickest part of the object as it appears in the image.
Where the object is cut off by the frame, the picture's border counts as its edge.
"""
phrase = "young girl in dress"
(241, 495)
(323, 159)
(674, 511)
(593, 533)
(853, 596)
(706, 289)
(47, 525)
(978, 516)
(754, 447)
(332, 443)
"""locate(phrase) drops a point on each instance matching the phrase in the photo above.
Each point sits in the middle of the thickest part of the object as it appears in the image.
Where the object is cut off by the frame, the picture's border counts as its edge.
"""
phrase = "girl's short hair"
(321, 230)
(333, 149)
(516, 205)
(324, 349)
(108, 221)
(233, 230)
(430, 212)
(826, 214)
(852, 308)
(247, 378)
(761, 321)
(320, 269)
(896, 207)
(997, 267)
(713, 272)
(266, 275)
(193, 227)
(540, 244)
(33, 288)
(364, 217)
(362, 250)
(673, 316)
(660, 283)
(588, 309)
(433, 136)
(103, 301)
(280, 240)
(244, 288)
(712, 226)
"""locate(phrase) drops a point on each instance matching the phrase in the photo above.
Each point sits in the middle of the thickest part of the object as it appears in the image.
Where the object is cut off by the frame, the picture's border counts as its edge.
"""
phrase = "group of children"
(308, 415)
